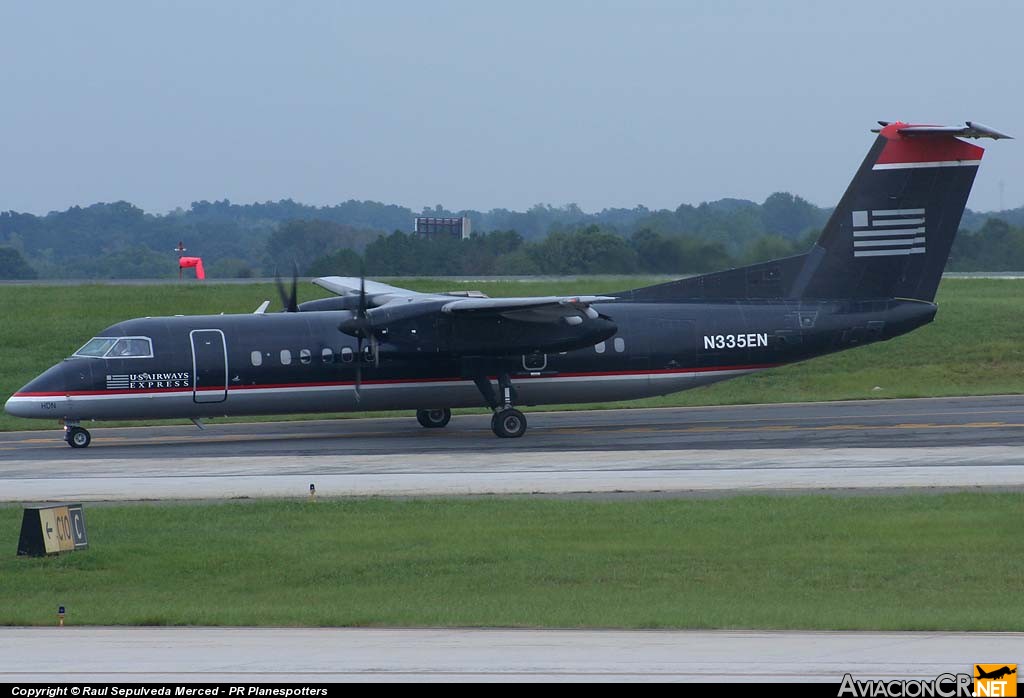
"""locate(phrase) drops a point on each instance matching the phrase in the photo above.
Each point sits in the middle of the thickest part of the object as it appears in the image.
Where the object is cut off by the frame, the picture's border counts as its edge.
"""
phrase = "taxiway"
(948, 443)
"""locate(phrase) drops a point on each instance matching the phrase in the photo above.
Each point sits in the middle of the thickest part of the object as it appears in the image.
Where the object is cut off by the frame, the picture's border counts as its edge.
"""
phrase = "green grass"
(975, 346)
(922, 562)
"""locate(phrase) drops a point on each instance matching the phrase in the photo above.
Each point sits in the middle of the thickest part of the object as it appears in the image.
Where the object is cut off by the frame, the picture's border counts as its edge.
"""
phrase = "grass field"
(911, 562)
(975, 346)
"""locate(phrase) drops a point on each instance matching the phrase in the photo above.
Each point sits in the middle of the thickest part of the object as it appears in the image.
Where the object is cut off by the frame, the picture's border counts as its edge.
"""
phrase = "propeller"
(290, 301)
(360, 326)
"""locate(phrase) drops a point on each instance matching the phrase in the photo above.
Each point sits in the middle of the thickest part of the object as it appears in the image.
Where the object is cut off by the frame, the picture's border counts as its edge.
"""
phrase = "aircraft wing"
(554, 305)
(487, 326)
(350, 285)
(538, 309)
(528, 309)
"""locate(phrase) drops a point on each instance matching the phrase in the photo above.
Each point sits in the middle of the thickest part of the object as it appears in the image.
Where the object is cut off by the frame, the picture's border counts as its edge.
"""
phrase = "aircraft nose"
(48, 386)
(17, 406)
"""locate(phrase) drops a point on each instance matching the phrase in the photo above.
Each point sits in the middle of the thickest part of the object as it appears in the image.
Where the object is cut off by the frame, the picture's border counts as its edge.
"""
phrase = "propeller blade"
(360, 327)
(293, 304)
(359, 367)
(288, 301)
(362, 292)
(280, 289)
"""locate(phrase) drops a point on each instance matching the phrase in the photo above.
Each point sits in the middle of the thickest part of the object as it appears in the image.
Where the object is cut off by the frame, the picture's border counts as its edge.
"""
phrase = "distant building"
(443, 227)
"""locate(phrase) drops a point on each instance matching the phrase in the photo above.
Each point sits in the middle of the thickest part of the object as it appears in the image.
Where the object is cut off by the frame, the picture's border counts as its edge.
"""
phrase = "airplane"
(995, 674)
(871, 276)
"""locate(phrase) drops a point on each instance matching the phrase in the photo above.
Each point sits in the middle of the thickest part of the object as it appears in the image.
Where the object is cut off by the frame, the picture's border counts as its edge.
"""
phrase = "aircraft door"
(209, 366)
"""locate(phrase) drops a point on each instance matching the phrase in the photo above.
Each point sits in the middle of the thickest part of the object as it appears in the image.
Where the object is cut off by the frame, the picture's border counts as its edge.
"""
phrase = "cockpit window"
(117, 348)
(131, 347)
(97, 346)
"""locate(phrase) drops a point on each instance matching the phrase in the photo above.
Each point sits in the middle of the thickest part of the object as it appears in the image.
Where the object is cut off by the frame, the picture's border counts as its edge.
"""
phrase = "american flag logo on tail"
(888, 232)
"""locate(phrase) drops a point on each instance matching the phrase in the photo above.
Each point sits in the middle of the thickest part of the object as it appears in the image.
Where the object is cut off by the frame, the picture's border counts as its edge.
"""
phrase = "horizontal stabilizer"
(972, 130)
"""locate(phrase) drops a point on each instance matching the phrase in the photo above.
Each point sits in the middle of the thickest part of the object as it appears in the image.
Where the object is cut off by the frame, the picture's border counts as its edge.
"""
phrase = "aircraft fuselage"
(236, 365)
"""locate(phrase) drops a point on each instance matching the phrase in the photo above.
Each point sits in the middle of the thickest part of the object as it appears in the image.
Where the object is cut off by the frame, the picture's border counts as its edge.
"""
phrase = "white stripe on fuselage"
(239, 391)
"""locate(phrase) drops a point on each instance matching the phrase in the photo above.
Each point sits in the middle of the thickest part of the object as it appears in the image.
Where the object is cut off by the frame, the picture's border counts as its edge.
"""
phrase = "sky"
(485, 104)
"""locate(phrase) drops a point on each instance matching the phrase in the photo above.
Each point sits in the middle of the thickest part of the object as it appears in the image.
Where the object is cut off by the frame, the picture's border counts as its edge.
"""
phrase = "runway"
(950, 442)
(311, 655)
(867, 446)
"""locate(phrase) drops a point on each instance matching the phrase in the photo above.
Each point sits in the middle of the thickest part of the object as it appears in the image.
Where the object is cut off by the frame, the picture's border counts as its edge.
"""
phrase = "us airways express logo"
(136, 381)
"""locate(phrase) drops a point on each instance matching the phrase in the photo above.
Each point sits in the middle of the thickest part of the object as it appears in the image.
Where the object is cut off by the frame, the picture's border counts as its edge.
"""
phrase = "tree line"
(120, 240)
(587, 250)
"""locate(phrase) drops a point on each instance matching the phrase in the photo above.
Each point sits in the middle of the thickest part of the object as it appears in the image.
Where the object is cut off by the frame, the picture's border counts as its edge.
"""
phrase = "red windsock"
(197, 262)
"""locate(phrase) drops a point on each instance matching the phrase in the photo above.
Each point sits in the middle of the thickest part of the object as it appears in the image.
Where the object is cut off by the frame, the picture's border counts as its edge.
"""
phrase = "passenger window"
(305, 356)
(328, 355)
(599, 347)
(346, 354)
(257, 358)
(286, 357)
(619, 344)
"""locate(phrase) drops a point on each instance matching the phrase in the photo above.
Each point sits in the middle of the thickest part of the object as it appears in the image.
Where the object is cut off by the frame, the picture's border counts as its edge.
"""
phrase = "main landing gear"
(507, 422)
(434, 419)
(76, 436)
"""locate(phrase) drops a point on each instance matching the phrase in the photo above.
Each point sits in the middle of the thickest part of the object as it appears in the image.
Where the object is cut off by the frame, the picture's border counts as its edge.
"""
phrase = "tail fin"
(889, 236)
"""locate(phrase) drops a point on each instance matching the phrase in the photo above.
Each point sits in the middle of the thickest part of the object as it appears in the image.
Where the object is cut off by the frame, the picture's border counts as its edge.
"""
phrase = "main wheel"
(77, 437)
(434, 419)
(508, 424)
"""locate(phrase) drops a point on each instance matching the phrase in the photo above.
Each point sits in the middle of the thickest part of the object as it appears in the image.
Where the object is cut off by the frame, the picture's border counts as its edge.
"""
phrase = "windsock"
(197, 262)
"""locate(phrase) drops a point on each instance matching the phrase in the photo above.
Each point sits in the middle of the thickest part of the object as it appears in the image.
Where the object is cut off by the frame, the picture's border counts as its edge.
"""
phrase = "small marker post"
(60, 616)
(312, 492)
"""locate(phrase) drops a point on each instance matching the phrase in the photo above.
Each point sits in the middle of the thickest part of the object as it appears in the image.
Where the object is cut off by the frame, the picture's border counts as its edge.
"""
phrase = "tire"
(508, 424)
(77, 437)
(434, 419)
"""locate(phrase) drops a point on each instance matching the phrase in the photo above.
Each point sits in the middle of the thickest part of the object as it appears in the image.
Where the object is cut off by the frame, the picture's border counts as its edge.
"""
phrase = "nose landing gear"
(76, 436)
(507, 422)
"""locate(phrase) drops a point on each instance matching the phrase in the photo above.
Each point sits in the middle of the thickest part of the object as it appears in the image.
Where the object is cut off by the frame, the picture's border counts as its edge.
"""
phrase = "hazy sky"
(488, 104)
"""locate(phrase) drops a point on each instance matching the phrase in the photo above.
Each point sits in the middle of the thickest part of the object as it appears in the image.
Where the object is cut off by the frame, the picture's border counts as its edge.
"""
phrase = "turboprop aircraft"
(871, 276)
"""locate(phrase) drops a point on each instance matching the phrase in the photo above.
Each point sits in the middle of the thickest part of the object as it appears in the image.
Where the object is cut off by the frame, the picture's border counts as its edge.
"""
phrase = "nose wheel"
(77, 437)
(507, 422)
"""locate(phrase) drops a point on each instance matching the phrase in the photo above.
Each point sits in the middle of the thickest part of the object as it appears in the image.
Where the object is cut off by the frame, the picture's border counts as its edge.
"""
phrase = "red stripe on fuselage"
(265, 386)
